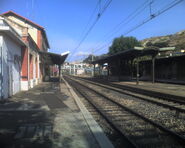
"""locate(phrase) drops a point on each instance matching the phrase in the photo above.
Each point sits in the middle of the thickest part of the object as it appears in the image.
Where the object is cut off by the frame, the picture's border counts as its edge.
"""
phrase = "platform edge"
(102, 139)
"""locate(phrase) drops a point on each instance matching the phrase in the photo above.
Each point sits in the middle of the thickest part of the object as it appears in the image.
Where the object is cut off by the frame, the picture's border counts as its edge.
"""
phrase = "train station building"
(35, 38)
(144, 64)
(24, 49)
(11, 46)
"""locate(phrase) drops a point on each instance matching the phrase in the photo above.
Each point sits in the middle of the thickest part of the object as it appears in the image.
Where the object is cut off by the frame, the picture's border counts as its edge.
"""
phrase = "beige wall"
(31, 30)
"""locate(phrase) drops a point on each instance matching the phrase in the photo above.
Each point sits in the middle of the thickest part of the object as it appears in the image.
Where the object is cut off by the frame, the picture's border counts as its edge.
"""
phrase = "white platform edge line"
(102, 139)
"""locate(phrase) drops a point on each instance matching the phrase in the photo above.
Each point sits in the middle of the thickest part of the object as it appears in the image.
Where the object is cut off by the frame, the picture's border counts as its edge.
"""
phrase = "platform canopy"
(53, 58)
(129, 54)
(133, 53)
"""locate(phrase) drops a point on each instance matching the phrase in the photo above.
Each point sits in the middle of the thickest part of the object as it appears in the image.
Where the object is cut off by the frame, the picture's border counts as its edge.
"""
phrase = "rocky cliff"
(177, 40)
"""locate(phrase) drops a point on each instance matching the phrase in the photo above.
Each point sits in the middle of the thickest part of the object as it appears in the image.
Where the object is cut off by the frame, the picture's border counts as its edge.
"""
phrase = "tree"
(180, 45)
(158, 44)
(89, 58)
(123, 43)
(161, 44)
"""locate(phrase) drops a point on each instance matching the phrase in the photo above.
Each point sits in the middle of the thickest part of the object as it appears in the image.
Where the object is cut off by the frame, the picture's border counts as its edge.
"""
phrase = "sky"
(67, 21)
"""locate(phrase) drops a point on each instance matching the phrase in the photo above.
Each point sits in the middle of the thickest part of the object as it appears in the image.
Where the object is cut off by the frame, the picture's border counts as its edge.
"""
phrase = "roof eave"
(30, 22)
(23, 18)
(11, 34)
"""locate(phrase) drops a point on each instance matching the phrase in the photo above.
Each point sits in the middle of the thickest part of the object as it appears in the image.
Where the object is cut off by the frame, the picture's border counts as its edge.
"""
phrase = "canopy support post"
(119, 70)
(93, 71)
(108, 71)
(131, 69)
(59, 66)
(153, 69)
(53, 66)
(137, 74)
(99, 69)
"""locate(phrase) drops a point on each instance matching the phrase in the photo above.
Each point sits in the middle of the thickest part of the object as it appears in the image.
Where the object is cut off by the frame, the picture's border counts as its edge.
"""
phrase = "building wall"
(75, 68)
(25, 66)
(11, 67)
(38, 70)
(32, 69)
(24, 62)
(80, 71)
(37, 36)
(1, 60)
(16, 26)
(35, 33)
(31, 30)
(39, 39)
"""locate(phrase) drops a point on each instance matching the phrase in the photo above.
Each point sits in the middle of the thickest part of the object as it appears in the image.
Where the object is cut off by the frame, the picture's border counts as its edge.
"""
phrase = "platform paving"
(44, 117)
(159, 87)
(166, 88)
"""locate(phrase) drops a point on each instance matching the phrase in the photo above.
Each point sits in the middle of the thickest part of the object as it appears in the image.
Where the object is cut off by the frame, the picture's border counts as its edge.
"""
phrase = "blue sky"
(65, 22)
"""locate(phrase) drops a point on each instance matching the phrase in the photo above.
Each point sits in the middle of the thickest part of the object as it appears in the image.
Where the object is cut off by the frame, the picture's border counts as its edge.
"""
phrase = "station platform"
(165, 88)
(46, 116)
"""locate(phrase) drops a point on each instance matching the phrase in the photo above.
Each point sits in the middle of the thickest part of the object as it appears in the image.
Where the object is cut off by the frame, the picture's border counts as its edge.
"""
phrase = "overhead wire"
(128, 19)
(32, 9)
(90, 18)
(152, 16)
(92, 26)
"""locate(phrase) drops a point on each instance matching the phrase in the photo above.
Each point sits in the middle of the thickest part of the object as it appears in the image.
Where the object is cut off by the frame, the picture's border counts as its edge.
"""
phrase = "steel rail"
(141, 98)
(172, 133)
(162, 96)
(130, 142)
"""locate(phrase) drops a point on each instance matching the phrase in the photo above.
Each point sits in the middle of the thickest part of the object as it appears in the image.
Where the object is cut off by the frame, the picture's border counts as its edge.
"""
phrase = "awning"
(128, 55)
(53, 58)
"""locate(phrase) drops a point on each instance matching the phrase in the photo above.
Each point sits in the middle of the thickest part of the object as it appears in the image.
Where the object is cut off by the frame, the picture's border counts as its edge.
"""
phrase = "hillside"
(177, 40)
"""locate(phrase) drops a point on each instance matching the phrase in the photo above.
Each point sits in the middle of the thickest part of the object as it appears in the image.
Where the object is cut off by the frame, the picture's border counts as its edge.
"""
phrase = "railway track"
(167, 97)
(172, 104)
(139, 130)
(158, 112)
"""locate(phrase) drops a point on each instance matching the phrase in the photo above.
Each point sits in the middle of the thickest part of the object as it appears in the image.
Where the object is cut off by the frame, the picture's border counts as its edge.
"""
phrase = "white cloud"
(82, 53)
(63, 44)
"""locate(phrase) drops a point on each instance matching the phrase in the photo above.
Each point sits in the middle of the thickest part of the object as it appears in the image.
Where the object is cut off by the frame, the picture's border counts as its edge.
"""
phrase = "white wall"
(80, 71)
(11, 66)
(1, 42)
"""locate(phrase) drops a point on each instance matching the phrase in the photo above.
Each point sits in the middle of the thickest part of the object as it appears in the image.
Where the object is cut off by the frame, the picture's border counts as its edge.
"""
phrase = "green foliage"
(149, 44)
(89, 58)
(161, 44)
(157, 44)
(180, 45)
(123, 43)
(102, 56)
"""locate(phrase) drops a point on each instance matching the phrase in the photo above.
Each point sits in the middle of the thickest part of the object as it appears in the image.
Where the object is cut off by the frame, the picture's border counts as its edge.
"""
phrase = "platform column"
(53, 67)
(70, 69)
(131, 69)
(137, 74)
(153, 69)
(108, 71)
(59, 66)
(99, 69)
(93, 71)
(119, 71)
(74, 69)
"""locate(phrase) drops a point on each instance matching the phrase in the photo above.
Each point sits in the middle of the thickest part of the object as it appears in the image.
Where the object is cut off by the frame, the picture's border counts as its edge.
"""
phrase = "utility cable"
(92, 26)
(166, 8)
(90, 18)
(128, 19)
